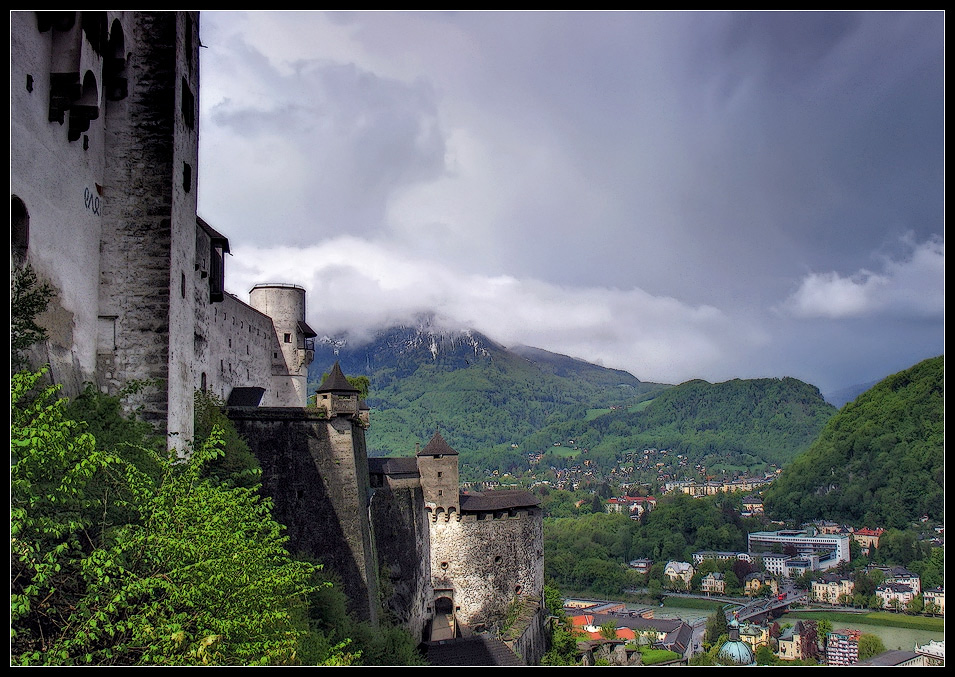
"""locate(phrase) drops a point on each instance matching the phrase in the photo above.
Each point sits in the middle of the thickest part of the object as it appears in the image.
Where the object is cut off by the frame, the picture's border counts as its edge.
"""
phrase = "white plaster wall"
(57, 180)
(236, 346)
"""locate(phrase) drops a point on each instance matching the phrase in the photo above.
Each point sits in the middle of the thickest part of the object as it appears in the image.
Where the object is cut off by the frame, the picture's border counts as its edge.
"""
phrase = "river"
(892, 638)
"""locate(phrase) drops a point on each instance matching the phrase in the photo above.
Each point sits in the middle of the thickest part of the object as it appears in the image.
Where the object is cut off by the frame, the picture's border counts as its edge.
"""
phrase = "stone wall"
(233, 345)
(403, 544)
(316, 471)
(488, 560)
(104, 145)
(530, 636)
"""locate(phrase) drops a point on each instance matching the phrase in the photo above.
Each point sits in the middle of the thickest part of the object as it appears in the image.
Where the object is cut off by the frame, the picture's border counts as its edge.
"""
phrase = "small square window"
(288, 338)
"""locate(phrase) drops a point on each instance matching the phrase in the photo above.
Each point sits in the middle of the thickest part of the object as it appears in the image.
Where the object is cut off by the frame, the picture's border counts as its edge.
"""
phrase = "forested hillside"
(479, 393)
(741, 422)
(879, 461)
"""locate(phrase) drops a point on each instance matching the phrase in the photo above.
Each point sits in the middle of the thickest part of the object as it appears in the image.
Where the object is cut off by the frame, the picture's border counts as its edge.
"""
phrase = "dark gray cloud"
(679, 194)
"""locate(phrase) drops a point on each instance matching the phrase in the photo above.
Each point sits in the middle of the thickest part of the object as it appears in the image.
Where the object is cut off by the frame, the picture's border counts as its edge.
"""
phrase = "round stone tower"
(285, 304)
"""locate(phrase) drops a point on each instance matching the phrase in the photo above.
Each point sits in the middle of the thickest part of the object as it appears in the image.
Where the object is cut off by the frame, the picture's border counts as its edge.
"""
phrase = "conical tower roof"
(437, 447)
(336, 382)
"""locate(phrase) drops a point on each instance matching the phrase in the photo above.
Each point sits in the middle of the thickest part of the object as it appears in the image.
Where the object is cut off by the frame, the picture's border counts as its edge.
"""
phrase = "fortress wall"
(316, 471)
(234, 345)
(148, 246)
(488, 562)
(533, 638)
(403, 544)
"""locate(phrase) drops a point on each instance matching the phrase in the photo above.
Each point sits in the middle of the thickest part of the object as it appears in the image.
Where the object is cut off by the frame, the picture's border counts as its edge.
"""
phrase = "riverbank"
(930, 624)
(881, 618)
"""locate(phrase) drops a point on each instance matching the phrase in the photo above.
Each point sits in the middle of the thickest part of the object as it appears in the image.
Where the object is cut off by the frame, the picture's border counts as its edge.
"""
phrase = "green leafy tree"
(823, 628)
(553, 600)
(237, 464)
(765, 656)
(28, 298)
(608, 630)
(879, 460)
(716, 625)
(563, 646)
(200, 576)
(870, 645)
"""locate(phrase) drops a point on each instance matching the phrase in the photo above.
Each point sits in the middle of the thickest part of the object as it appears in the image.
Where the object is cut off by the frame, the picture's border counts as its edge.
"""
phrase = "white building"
(823, 550)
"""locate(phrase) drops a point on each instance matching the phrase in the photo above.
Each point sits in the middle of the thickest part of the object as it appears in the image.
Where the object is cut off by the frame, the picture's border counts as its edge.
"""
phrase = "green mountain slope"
(878, 462)
(740, 422)
(477, 392)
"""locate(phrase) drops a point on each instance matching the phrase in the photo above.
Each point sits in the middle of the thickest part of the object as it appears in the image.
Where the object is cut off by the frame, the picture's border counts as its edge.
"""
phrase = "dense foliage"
(879, 461)
(747, 423)
(121, 556)
(28, 298)
(590, 552)
(198, 572)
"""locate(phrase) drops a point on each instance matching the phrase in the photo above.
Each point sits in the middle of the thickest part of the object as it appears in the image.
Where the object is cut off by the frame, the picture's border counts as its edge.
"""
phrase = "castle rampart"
(316, 470)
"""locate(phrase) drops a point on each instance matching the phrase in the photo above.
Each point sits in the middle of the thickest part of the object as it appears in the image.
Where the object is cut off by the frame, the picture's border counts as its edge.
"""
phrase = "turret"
(438, 467)
(285, 304)
(337, 395)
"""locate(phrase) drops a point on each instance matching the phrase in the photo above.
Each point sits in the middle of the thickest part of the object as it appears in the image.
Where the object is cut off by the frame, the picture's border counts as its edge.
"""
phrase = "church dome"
(735, 651)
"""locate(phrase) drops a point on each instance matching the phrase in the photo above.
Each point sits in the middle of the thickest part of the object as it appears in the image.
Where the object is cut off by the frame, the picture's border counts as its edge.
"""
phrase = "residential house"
(642, 566)
(754, 634)
(632, 505)
(714, 583)
(898, 575)
(752, 505)
(936, 597)
(790, 643)
(895, 595)
(754, 582)
(679, 574)
(671, 634)
(867, 538)
(832, 588)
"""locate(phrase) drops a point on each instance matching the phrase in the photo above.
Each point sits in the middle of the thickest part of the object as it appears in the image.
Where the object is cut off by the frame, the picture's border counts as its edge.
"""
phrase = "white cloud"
(908, 288)
(356, 286)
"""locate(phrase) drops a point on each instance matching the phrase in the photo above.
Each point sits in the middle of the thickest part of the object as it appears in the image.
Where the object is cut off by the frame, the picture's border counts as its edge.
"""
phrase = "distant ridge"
(842, 396)
(478, 391)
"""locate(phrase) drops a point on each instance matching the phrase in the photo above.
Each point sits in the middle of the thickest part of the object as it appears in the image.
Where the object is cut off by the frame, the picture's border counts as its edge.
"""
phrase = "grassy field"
(692, 603)
(883, 618)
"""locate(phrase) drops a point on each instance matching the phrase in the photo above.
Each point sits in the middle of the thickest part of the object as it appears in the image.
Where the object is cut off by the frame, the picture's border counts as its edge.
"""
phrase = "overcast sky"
(679, 194)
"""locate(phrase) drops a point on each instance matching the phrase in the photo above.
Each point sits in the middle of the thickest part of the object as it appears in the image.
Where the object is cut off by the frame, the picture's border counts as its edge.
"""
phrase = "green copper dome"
(735, 651)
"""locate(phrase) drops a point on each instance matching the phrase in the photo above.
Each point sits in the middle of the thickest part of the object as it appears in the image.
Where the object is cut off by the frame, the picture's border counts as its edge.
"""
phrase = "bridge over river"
(767, 607)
